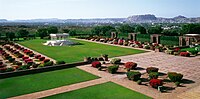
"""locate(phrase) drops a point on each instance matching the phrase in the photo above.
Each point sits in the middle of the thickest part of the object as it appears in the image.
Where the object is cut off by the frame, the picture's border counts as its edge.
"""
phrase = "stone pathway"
(189, 67)
(62, 89)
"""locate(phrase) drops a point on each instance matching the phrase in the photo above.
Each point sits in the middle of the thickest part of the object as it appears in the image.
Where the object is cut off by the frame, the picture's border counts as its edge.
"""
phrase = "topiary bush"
(9, 69)
(133, 75)
(130, 65)
(96, 64)
(50, 63)
(24, 67)
(186, 54)
(60, 62)
(153, 75)
(113, 69)
(46, 60)
(175, 77)
(155, 83)
(151, 69)
(41, 58)
(115, 61)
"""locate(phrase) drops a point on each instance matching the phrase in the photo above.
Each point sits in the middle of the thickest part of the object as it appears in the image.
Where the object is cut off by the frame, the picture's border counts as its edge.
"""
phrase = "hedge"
(169, 40)
(143, 37)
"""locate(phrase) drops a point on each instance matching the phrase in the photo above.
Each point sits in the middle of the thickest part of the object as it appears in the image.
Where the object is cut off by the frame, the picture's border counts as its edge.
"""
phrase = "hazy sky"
(74, 9)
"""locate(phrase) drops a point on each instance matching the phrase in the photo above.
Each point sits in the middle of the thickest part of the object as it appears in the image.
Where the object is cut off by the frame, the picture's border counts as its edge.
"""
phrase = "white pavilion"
(59, 39)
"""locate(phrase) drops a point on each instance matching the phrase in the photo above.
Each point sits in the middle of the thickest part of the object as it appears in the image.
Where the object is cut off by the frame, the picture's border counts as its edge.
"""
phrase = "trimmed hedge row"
(169, 40)
(40, 70)
(143, 37)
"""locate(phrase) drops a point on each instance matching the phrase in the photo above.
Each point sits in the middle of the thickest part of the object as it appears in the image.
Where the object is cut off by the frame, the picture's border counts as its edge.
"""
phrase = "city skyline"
(85, 9)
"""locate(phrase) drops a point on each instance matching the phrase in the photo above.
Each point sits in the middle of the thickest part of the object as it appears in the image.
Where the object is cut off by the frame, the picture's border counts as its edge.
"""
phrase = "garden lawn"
(76, 53)
(107, 90)
(15, 86)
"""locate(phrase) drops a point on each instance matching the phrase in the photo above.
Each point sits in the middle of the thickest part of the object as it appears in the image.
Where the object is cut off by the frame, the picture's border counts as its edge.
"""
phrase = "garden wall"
(40, 70)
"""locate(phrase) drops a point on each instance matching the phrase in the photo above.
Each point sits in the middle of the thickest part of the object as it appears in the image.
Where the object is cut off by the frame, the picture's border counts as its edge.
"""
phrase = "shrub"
(130, 65)
(133, 75)
(100, 59)
(96, 64)
(37, 56)
(50, 63)
(194, 52)
(177, 83)
(29, 63)
(186, 54)
(113, 69)
(151, 69)
(1, 63)
(9, 69)
(46, 60)
(174, 77)
(24, 58)
(115, 61)
(153, 75)
(31, 54)
(60, 62)
(2, 70)
(41, 58)
(11, 59)
(155, 83)
(139, 82)
(24, 67)
(7, 57)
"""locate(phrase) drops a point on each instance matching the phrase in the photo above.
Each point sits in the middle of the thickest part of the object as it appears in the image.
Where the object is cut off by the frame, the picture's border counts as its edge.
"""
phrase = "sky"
(83, 9)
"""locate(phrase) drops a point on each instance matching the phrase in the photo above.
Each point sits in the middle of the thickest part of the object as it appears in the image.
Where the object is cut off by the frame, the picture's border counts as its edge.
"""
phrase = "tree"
(52, 29)
(96, 30)
(140, 29)
(42, 32)
(171, 32)
(72, 32)
(155, 30)
(105, 30)
(191, 29)
(10, 35)
(22, 33)
(65, 30)
(126, 29)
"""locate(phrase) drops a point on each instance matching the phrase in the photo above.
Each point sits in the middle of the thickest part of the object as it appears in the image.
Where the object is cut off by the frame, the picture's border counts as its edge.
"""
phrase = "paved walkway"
(62, 89)
(189, 67)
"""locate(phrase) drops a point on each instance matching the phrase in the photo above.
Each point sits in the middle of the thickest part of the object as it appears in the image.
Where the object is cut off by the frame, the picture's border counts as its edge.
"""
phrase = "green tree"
(171, 32)
(72, 32)
(155, 30)
(52, 29)
(10, 35)
(191, 29)
(22, 33)
(42, 32)
(96, 30)
(140, 29)
(65, 30)
(126, 28)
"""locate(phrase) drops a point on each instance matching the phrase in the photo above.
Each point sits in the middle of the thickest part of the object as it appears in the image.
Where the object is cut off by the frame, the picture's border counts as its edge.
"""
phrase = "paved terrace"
(189, 67)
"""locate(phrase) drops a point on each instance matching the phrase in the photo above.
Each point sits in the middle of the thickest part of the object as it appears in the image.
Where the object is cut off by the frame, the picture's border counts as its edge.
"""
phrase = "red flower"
(96, 64)
(155, 83)
(130, 65)
(186, 54)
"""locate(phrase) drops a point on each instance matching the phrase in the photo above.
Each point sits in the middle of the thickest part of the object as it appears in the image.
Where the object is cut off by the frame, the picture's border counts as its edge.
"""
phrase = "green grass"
(107, 90)
(15, 86)
(76, 53)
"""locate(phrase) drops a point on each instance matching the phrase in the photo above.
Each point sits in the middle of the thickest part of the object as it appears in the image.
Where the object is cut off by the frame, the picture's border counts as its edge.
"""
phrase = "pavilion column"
(180, 40)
